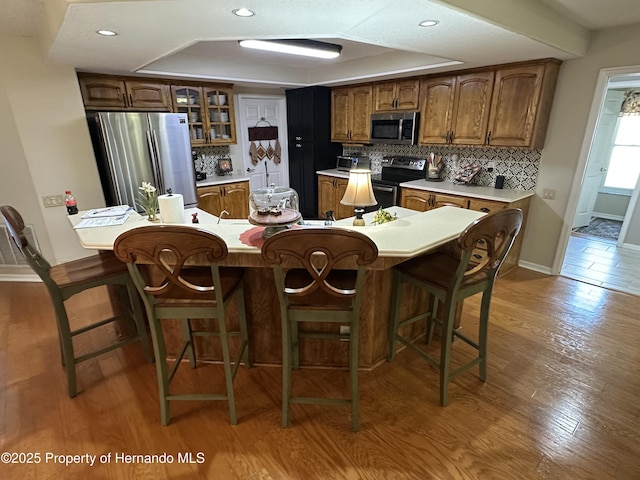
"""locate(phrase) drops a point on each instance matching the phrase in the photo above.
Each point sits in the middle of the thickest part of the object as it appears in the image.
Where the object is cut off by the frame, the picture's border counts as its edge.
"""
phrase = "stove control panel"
(409, 163)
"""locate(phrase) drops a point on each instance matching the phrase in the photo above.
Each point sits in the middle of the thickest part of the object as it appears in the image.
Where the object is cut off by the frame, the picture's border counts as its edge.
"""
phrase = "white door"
(263, 111)
(598, 157)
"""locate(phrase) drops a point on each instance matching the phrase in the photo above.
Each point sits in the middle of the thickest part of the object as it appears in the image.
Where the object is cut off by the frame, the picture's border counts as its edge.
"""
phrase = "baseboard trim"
(16, 277)
(630, 246)
(535, 267)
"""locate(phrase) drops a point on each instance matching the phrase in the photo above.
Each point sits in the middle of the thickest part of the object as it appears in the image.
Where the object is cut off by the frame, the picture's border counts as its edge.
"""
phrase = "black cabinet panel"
(310, 148)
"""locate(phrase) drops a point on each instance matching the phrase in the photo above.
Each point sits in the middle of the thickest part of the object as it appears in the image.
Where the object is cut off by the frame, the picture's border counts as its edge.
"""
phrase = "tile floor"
(600, 262)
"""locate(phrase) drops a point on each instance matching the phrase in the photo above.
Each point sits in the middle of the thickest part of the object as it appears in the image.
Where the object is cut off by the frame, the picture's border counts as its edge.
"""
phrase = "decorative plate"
(224, 166)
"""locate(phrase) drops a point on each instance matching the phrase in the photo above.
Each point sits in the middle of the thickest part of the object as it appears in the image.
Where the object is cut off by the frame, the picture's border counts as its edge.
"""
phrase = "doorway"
(264, 161)
(596, 250)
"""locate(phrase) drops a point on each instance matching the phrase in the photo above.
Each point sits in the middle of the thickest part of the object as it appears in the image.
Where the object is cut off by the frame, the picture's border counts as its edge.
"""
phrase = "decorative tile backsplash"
(519, 167)
(205, 159)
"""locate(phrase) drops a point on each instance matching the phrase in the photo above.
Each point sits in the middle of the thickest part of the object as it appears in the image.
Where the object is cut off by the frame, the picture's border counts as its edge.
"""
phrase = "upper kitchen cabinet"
(351, 114)
(102, 92)
(209, 109)
(455, 110)
(391, 96)
(521, 104)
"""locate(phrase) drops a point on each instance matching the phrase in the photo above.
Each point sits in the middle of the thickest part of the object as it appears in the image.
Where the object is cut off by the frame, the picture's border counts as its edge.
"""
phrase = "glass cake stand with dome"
(275, 208)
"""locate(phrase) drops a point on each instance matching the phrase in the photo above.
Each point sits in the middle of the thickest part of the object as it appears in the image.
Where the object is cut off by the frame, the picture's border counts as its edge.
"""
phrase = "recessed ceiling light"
(309, 48)
(243, 12)
(428, 23)
(107, 33)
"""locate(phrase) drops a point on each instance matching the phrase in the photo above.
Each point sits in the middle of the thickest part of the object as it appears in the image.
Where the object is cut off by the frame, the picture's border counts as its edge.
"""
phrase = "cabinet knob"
(130, 100)
(485, 210)
(298, 145)
(451, 137)
(298, 138)
(489, 137)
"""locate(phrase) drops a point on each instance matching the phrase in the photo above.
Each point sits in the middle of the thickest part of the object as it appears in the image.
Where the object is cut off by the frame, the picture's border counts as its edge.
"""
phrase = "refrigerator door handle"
(152, 143)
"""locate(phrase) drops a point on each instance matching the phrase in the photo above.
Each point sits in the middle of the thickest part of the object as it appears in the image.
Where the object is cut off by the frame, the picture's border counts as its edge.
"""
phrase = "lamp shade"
(359, 192)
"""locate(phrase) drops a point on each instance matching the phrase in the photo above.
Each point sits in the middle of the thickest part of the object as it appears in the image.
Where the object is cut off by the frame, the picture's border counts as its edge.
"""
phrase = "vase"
(153, 217)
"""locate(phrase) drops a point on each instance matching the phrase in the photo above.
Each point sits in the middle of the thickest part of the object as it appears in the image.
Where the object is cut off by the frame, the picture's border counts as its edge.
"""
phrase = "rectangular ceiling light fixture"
(309, 48)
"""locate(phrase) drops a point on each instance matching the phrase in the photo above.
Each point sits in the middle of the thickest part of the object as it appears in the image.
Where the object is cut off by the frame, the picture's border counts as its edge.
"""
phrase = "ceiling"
(380, 38)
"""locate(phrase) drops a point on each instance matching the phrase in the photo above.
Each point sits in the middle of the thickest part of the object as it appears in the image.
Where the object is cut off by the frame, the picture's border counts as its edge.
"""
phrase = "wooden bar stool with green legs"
(319, 274)
(67, 279)
(182, 280)
(450, 275)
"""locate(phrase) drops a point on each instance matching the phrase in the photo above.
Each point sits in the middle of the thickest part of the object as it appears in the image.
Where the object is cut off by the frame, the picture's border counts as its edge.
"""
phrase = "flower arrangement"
(382, 216)
(148, 201)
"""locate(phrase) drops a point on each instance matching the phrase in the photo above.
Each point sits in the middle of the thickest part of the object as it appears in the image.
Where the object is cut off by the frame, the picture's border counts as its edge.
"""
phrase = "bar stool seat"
(315, 284)
(451, 274)
(174, 286)
(68, 279)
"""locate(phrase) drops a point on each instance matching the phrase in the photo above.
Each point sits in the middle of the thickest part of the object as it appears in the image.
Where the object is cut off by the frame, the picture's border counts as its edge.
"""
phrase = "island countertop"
(414, 233)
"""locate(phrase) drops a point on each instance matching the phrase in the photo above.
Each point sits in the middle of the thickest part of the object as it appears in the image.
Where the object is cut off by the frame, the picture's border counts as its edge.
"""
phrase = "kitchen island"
(413, 234)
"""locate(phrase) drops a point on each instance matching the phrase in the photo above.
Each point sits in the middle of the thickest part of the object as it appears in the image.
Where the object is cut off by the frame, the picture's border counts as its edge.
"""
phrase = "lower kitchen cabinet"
(330, 192)
(423, 200)
(232, 197)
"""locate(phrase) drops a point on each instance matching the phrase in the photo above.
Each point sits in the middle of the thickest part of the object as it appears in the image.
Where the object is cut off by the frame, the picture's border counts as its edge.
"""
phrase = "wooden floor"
(561, 402)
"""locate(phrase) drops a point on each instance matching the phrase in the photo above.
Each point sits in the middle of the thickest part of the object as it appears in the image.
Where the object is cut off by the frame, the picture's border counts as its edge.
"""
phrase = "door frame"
(600, 91)
(281, 101)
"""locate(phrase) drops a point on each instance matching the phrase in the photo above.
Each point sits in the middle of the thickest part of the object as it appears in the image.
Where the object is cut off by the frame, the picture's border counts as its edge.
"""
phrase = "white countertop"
(475, 191)
(333, 172)
(222, 179)
(412, 234)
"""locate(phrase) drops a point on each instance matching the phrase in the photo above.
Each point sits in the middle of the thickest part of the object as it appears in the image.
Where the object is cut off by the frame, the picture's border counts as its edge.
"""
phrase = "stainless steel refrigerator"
(132, 148)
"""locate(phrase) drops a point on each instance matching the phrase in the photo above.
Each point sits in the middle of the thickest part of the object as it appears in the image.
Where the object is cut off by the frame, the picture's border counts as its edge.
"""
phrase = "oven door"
(386, 195)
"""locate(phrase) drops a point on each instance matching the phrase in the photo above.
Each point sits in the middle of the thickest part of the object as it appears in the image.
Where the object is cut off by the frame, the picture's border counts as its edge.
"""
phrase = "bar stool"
(450, 275)
(173, 288)
(68, 279)
(319, 274)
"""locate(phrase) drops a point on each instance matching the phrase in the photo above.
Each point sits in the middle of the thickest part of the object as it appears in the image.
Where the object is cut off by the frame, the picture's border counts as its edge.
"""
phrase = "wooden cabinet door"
(326, 195)
(361, 99)
(148, 96)
(437, 109)
(514, 105)
(210, 199)
(384, 97)
(219, 115)
(99, 92)
(415, 199)
(342, 211)
(408, 95)
(340, 115)
(236, 199)
(471, 109)
(189, 100)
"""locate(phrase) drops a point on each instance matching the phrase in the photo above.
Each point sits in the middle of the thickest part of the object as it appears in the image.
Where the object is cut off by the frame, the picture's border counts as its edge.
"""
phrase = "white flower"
(147, 188)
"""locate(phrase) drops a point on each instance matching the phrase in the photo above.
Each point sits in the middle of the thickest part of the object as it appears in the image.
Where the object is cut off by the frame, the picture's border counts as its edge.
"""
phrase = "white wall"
(560, 158)
(46, 147)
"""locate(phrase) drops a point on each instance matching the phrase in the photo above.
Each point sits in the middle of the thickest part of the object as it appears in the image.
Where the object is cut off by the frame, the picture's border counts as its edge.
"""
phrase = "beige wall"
(45, 145)
(560, 157)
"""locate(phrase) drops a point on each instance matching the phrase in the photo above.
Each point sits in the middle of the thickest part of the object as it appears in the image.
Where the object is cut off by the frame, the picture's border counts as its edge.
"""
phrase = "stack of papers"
(105, 217)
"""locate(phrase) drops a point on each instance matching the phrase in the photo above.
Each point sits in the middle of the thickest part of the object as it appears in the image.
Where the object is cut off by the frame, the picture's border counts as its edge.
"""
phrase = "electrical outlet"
(549, 194)
(491, 166)
(53, 201)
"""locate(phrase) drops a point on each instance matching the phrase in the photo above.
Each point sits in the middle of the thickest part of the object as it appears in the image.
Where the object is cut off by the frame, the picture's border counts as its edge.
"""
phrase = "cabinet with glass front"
(209, 109)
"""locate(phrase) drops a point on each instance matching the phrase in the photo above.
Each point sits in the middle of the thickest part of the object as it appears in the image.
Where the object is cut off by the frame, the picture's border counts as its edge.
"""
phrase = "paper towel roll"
(171, 208)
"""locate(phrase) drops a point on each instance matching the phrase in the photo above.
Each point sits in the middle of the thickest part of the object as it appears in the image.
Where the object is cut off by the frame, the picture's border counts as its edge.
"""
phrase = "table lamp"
(359, 193)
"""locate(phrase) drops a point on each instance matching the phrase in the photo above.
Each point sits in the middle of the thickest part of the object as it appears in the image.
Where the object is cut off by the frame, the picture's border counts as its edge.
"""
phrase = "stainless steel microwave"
(395, 128)
(347, 162)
